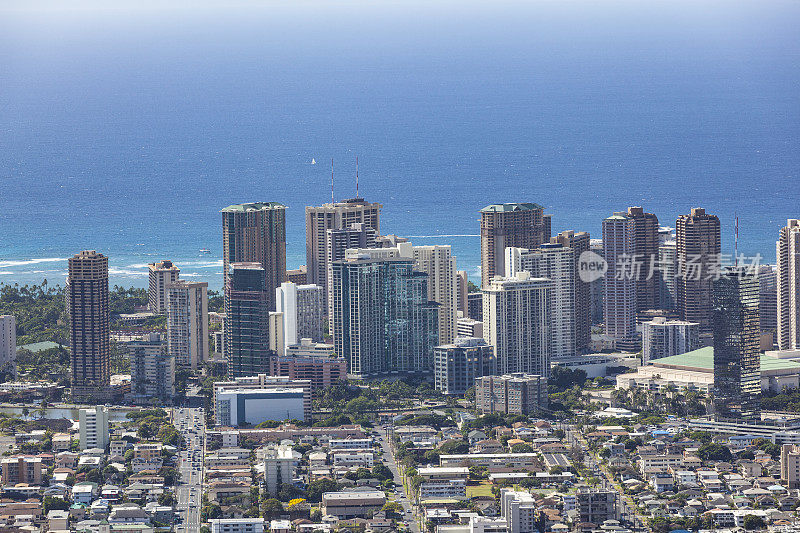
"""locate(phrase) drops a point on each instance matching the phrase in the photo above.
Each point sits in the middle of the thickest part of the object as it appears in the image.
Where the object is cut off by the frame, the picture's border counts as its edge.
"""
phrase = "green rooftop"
(255, 206)
(507, 208)
(703, 359)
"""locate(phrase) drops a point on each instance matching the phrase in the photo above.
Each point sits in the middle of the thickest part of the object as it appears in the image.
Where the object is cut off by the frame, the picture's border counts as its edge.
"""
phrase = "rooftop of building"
(507, 208)
(702, 360)
(349, 495)
(254, 206)
(255, 391)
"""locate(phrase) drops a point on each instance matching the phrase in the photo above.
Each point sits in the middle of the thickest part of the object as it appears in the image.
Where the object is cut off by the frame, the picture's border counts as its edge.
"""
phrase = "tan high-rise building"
(440, 266)
(645, 248)
(256, 233)
(187, 323)
(619, 297)
(579, 243)
(698, 257)
(790, 466)
(518, 225)
(787, 251)
(89, 325)
(463, 288)
(161, 274)
(334, 216)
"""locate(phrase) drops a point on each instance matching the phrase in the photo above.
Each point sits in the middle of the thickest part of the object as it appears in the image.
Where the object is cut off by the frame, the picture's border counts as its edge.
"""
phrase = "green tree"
(522, 447)
(714, 452)
(271, 508)
(51, 503)
(454, 447)
(319, 486)
(753, 522)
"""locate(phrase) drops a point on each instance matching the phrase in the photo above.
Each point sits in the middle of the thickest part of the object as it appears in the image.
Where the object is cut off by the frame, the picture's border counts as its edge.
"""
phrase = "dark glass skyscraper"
(256, 233)
(737, 362)
(247, 321)
(697, 258)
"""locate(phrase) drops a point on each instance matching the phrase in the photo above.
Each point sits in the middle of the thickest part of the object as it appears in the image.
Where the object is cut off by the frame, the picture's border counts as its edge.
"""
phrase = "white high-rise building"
(665, 338)
(187, 322)
(280, 466)
(93, 428)
(619, 302)
(161, 274)
(519, 510)
(517, 322)
(302, 308)
(8, 344)
(788, 254)
(152, 370)
(556, 263)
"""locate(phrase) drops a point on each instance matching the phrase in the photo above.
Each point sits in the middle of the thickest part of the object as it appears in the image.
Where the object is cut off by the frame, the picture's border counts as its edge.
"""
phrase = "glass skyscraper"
(737, 363)
(382, 321)
(247, 321)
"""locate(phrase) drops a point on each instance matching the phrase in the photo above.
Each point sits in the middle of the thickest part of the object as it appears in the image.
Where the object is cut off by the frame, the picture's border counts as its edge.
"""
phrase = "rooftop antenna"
(357, 177)
(332, 201)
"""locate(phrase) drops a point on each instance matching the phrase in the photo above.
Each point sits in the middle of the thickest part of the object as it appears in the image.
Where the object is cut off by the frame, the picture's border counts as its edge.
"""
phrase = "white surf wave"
(24, 262)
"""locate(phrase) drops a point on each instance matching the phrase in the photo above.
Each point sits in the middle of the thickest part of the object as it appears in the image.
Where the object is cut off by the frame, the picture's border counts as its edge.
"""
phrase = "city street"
(628, 510)
(388, 457)
(191, 424)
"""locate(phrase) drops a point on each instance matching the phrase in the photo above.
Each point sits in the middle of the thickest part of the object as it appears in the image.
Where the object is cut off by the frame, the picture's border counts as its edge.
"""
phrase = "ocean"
(125, 130)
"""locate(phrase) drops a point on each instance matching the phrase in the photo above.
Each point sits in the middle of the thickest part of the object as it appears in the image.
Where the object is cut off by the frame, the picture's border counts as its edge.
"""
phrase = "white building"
(443, 488)
(468, 327)
(788, 277)
(619, 301)
(557, 263)
(254, 399)
(307, 348)
(237, 525)
(93, 428)
(280, 466)
(161, 274)
(477, 524)
(353, 459)
(519, 510)
(303, 311)
(665, 338)
(237, 406)
(8, 344)
(350, 444)
(517, 322)
(187, 322)
(152, 370)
